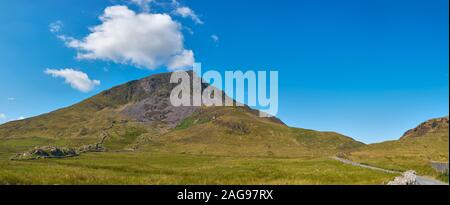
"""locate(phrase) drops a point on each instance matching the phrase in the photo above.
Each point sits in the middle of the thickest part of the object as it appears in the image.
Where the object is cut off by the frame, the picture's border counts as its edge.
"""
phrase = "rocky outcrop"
(61, 152)
(97, 147)
(149, 101)
(91, 148)
(407, 178)
(426, 127)
(46, 152)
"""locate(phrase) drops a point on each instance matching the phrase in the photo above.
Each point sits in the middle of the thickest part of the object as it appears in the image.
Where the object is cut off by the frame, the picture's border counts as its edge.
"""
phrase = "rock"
(46, 152)
(61, 152)
(91, 148)
(98, 147)
(426, 127)
(407, 178)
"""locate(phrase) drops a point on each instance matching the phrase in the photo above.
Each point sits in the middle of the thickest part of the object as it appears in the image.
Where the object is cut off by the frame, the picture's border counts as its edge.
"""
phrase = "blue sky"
(367, 69)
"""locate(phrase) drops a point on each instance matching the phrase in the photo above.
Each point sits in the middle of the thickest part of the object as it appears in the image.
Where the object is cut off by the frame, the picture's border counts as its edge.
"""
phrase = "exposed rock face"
(407, 178)
(150, 101)
(158, 110)
(46, 152)
(428, 126)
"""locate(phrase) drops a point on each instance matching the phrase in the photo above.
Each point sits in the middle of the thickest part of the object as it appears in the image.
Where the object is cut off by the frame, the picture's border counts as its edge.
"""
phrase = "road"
(421, 180)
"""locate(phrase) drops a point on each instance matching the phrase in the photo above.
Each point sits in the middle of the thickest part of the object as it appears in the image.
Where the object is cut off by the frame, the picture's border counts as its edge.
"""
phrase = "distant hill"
(416, 149)
(137, 116)
(430, 126)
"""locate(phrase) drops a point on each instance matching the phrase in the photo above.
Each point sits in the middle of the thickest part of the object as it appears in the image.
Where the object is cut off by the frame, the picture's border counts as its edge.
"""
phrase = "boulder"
(46, 152)
(91, 148)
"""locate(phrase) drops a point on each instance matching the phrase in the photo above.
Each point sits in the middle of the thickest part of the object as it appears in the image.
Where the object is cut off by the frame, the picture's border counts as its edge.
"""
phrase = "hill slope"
(416, 149)
(238, 131)
(138, 116)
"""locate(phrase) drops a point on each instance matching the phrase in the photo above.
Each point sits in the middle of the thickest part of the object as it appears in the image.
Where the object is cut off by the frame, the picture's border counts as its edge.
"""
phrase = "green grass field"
(217, 146)
(414, 153)
(160, 168)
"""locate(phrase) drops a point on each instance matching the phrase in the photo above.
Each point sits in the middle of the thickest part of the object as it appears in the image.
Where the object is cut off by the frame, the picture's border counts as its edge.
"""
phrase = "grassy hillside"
(236, 131)
(415, 150)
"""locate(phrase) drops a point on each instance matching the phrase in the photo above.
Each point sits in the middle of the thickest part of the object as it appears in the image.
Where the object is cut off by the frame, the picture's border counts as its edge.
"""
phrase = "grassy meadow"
(414, 153)
(165, 168)
(216, 146)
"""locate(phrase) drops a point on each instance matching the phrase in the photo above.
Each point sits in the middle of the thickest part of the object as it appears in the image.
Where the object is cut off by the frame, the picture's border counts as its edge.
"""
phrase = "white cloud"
(180, 61)
(56, 26)
(187, 12)
(144, 40)
(215, 38)
(77, 79)
(143, 4)
(189, 30)
(11, 99)
(4, 120)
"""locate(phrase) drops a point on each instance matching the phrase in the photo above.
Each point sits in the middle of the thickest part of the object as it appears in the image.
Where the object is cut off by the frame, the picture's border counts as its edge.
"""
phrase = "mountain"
(416, 149)
(137, 116)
